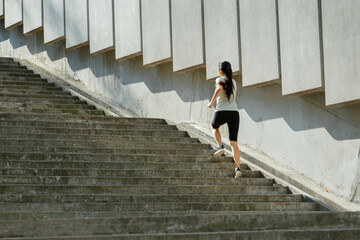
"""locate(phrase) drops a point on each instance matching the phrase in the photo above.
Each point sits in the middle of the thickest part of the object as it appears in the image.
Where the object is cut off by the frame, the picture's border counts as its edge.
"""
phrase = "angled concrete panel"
(341, 37)
(259, 42)
(13, 13)
(156, 31)
(54, 21)
(76, 23)
(301, 68)
(221, 35)
(101, 26)
(127, 29)
(187, 34)
(33, 19)
(1, 9)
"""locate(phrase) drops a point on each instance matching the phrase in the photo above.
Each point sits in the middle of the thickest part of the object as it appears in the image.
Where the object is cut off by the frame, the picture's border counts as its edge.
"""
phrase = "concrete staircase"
(70, 172)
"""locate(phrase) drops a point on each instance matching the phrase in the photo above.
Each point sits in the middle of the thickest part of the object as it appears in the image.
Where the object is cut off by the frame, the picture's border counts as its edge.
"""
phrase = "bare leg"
(217, 135)
(236, 153)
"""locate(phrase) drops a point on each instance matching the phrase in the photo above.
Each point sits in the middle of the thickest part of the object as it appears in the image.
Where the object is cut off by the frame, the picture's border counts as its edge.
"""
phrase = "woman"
(226, 111)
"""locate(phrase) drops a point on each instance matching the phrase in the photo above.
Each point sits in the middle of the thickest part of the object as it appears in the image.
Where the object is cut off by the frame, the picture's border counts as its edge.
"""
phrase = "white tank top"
(222, 103)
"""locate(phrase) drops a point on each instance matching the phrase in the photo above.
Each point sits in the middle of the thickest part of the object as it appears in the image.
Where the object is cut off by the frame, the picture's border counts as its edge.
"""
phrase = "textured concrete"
(156, 31)
(301, 53)
(2, 9)
(33, 16)
(76, 23)
(13, 13)
(101, 20)
(54, 21)
(127, 29)
(187, 34)
(341, 36)
(259, 42)
(221, 35)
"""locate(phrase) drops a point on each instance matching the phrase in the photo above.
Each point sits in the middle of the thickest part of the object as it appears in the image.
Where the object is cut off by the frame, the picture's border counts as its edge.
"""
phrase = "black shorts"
(231, 118)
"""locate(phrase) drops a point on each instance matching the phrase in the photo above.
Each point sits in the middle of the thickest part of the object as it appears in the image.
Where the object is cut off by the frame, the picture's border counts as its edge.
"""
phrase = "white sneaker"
(238, 173)
(220, 151)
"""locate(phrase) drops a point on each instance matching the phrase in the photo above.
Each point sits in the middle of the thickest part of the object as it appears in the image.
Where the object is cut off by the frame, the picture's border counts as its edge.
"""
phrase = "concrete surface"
(13, 13)
(156, 31)
(259, 42)
(221, 35)
(1, 9)
(101, 20)
(187, 34)
(341, 36)
(76, 23)
(300, 47)
(128, 41)
(54, 21)
(33, 16)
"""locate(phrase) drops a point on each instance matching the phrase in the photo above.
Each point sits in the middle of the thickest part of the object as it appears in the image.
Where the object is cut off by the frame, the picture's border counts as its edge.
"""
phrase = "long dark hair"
(228, 85)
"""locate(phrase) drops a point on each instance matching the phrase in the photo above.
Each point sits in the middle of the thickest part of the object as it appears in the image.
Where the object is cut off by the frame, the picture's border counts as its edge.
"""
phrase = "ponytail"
(228, 85)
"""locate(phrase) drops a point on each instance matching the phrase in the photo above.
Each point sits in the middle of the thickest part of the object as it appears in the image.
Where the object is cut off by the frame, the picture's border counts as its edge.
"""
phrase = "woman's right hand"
(210, 105)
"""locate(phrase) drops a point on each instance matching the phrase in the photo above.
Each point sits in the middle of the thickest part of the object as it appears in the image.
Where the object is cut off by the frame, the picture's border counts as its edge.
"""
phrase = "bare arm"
(218, 90)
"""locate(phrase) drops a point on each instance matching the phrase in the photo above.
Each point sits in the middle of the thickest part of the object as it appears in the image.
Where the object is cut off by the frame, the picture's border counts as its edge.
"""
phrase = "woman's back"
(222, 103)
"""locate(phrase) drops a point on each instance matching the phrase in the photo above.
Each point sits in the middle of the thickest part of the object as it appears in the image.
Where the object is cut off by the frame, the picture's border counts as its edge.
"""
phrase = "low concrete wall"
(300, 133)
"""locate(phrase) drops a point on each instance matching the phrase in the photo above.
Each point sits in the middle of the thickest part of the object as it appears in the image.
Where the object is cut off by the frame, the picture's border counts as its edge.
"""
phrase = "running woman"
(226, 111)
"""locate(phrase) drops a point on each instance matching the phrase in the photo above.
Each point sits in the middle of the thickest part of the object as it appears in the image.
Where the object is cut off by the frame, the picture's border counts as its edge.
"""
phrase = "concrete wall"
(341, 34)
(13, 13)
(33, 18)
(156, 31)
(187, 34)
(221, 35)
(127, 29)
(1, 9)
(54, 21)
(259, 42)
(76, 23)
(301, 53)
(101, 26)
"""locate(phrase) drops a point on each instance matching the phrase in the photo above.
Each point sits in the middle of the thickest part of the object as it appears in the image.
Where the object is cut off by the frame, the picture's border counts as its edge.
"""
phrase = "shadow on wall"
(300, 113)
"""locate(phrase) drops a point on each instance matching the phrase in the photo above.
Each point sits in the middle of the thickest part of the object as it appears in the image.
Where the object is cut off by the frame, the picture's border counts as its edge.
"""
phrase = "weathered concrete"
(221, 35)
(259, 42)
(300, 47)
(13, 13)
(156, 31)
(301, 126)
(128, 41)
(76, 23)
(1, 9)
(341, 36)
(187, 34)
(54, 21)
(33, 16)
(101, 20)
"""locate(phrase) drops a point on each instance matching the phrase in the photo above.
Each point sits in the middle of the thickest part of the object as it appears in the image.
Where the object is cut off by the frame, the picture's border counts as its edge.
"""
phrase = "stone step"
(85, 125)
(6, 64)
(14, 74)
(79, 118)
(15, 70)
(6, 59)
(245, 221)
(27, 100)
(12, 66)
(143, 198)
(308, 234)
(118, 181)
(21, 105)
(36, 91)
(5, 164)
(100, 150)
(135, 172)
(51, 111)
(134, 131)
(38, 96)
(101, 144)
(30, 87)
(158, 206)
(111, 139)
(41, 156)
(20, 83)
(140, 189)
(24, 79)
